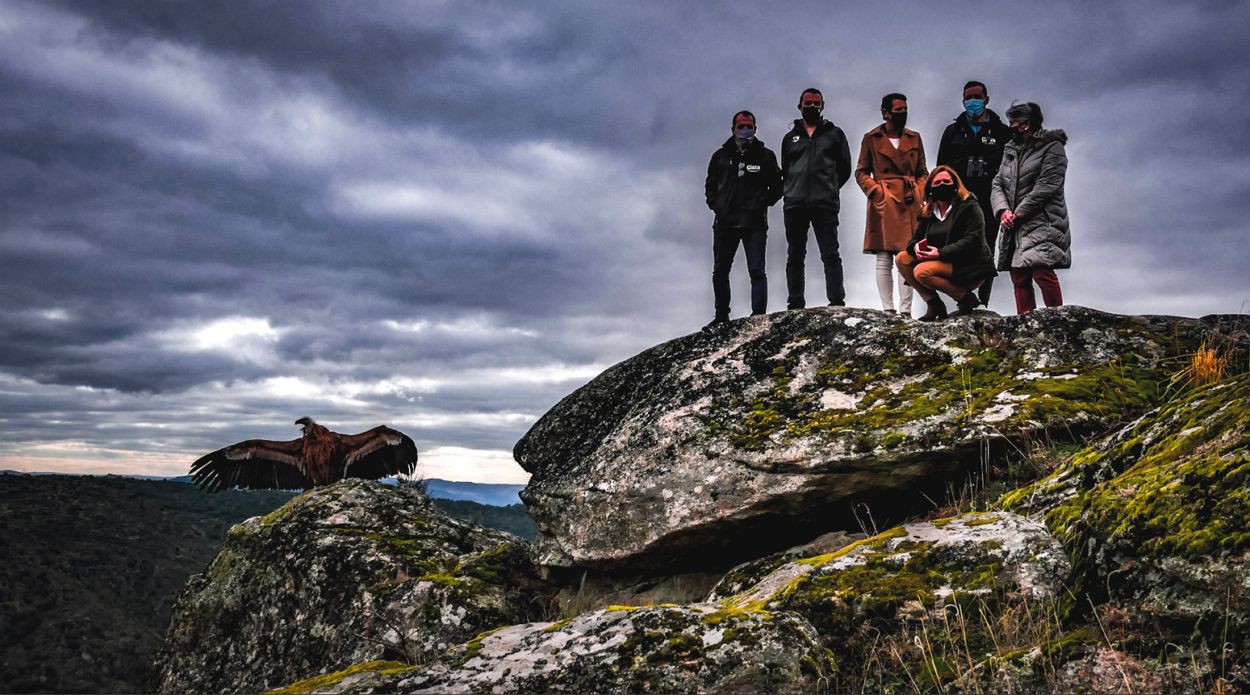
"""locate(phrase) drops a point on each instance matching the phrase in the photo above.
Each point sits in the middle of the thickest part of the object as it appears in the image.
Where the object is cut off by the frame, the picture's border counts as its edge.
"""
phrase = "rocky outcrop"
(1157, 515)
(722, 446)
(913, 568)
(350, 573)
(699, 648)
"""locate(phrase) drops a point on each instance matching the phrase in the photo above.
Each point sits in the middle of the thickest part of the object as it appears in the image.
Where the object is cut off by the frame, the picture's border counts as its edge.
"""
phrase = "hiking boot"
(967, 303)
(936, 312)
(716, 323)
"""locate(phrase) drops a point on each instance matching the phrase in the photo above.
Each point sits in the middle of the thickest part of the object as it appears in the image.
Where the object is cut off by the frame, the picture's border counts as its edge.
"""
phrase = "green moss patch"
(320, 683)
(1184, 490)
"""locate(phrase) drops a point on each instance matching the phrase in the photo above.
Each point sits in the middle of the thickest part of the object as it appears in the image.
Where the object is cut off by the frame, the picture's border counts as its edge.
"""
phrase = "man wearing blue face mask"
(973, 147)
(743, 181)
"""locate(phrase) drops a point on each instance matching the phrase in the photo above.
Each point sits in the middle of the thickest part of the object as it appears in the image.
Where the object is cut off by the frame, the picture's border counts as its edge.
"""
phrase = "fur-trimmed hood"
(1046, 136)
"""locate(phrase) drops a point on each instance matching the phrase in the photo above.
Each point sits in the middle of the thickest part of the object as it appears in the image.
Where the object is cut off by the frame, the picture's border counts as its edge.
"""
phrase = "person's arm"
(946, 146)
(863, 170)
(971, 227)
(785, 157)
(844, 160)
(922, 229)
(1049, 181)
(922, 170)
(998, 198)
(709, 185)
(772, 179)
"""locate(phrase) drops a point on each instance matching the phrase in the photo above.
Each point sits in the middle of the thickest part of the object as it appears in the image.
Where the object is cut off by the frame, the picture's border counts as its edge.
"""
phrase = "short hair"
(887, 101)
(743, 112)
(811, 90)
(974, 83)
(1028, 111)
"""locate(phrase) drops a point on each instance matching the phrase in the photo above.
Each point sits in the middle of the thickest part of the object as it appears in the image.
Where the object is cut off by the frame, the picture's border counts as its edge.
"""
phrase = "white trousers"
(885, 285)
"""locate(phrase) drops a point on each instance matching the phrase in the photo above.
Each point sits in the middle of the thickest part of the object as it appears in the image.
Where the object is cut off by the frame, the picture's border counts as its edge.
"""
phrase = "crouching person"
(947, 253)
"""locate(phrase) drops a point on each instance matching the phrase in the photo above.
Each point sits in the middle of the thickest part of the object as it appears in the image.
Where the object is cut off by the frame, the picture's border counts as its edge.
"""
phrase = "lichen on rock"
(716, 447)
(351, 573)
(693, 648)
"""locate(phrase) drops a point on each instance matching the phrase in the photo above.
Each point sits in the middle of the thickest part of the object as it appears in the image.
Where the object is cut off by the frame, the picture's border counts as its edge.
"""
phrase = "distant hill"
(493, 494)
(496, 494)
(90, 567)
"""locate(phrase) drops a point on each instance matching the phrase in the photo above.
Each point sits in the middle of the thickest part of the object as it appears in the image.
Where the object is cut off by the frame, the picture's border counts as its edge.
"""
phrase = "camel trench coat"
(893, 180)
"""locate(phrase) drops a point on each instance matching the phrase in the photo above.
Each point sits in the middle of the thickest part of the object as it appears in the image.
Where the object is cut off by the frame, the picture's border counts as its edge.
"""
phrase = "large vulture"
(319, 457)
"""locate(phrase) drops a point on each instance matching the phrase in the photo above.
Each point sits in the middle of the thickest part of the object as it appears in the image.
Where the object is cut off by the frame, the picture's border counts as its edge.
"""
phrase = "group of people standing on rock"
(929, 227)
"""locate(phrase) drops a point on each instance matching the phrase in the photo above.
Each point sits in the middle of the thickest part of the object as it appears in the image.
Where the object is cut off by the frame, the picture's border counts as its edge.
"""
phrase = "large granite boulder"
(727, 445)
(1157, 516)
(350, 573)
(699, 648)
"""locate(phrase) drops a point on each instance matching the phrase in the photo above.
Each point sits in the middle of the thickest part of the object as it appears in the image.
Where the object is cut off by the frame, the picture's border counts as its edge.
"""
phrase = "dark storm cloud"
(215, 218)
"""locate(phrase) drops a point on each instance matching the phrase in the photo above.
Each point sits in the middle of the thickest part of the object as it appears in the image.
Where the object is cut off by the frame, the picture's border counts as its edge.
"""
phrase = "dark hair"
(743, 112)
(974, 83)
(811, 90)
(887, 101)
(1028, 111)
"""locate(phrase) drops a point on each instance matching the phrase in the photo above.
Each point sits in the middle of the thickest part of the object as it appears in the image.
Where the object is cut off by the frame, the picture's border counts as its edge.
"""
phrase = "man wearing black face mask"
(973, 146)
(815, 164)
(743, 181)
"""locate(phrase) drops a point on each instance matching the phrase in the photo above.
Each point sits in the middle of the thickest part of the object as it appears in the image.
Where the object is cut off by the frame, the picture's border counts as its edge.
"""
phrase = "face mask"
(898, 119)
(974, 107)
(744, 132)
(1020, 136)
(944, 193)
(811, 115)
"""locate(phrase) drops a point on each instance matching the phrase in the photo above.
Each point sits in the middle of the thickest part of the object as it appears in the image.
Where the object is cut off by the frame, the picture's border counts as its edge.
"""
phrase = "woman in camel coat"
(892, 176)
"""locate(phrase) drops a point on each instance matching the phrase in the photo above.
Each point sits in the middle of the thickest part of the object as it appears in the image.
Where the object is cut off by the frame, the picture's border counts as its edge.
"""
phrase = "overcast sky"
(218, 217)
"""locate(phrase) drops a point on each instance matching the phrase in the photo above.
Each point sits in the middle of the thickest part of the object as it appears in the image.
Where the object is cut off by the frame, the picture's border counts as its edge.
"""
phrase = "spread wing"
(257, 464)
(378, 453)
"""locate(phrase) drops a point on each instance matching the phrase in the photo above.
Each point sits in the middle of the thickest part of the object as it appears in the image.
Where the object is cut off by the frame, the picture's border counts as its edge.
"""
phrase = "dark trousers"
(991, 239)
(1047, 281)
(824, 222)
(724, 248)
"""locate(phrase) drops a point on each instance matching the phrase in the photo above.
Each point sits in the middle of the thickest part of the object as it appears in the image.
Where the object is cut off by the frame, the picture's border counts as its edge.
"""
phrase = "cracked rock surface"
(725, 445)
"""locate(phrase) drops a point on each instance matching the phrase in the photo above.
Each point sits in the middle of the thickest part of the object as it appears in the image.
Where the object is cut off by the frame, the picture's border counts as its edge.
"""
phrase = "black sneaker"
(717, 323)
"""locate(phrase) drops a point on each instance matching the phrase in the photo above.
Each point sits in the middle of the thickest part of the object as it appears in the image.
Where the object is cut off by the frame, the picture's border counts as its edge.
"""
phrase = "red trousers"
(1047, 281)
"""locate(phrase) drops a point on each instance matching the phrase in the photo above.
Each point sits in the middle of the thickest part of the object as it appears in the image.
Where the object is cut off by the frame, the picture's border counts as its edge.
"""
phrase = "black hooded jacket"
(741, 186)
(975, 156)
(815, 168)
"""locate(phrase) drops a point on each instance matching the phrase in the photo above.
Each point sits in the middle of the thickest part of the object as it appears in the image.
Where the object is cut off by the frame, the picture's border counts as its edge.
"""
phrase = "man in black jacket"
(742, 183)
(815, 164)
(973, 146)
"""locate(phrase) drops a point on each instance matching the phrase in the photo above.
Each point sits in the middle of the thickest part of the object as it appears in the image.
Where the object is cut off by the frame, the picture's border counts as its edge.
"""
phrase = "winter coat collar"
(799, 126)
(908, 133)
(992, 120)
(733, 147)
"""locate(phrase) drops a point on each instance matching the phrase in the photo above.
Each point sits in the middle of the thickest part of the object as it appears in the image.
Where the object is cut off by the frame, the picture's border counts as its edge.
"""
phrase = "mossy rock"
(694, 648)
(1157, 515)
(723, 446)
(882, 583)
(347, 574)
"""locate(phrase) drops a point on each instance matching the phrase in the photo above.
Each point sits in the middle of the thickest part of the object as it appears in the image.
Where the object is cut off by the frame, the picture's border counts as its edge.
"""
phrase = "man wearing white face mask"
(973, 146)
(743, 181)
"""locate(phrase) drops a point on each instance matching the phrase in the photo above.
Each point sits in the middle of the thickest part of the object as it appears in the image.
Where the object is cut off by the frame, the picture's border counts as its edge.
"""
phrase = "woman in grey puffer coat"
(1028, 200)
